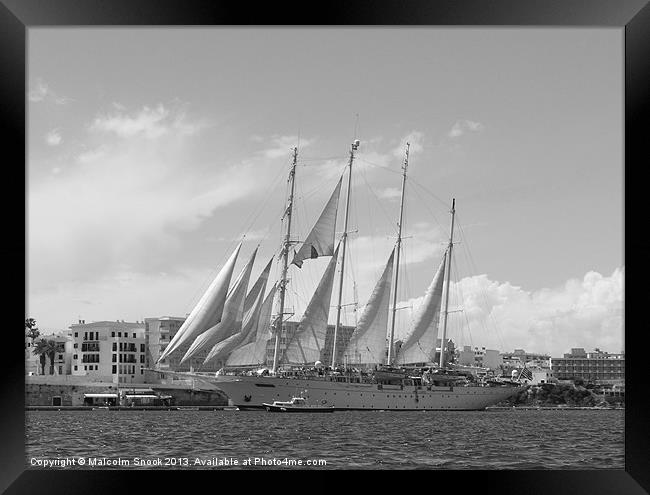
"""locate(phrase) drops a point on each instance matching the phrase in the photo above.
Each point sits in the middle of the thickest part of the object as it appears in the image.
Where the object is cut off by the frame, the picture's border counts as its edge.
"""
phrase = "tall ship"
(238, 326)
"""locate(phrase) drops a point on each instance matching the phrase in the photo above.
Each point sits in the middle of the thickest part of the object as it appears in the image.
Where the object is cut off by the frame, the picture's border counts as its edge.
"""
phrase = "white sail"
(368, 342)
(320, 241)
(232, 314)
(208, 311)
(254, 352)
(254, 302)
(252, 308)
(306, 343)
(420, 344)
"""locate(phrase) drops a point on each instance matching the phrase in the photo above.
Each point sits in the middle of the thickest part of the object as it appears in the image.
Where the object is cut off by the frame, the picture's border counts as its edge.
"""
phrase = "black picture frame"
(632, 16)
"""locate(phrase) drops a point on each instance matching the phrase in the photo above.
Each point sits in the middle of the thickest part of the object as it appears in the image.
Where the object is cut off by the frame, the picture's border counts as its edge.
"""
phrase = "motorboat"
(296, 404)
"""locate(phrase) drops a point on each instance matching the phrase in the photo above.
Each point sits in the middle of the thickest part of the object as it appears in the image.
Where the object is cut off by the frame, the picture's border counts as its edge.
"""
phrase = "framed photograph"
(409, 215)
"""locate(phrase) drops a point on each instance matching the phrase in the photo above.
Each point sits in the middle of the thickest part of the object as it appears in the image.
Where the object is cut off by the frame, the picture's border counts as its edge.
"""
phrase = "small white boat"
(296, 404)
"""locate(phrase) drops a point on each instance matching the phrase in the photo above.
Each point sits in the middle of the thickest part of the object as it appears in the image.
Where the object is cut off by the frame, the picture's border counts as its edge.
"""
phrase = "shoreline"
(129, 408)
(552, 408)
(230, 408)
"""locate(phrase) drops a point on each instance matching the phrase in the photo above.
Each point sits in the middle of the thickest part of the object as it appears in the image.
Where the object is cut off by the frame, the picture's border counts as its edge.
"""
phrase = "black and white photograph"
(325, 248)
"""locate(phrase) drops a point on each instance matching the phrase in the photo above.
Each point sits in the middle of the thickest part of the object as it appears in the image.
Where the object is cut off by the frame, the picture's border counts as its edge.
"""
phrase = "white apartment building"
(113, 350)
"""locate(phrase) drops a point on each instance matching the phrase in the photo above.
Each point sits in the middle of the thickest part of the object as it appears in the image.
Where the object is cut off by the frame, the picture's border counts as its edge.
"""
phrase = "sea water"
(530, 439)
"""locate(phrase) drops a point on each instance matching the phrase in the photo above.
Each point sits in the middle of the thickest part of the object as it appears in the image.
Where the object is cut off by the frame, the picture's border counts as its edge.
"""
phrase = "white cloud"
(414, 138)
(582, 313)
(53, 138)
(151, 123)
(124, 204)
(38, 92)
(251, 235)
(282, 146)
(390, 193)
(463, 126)
(41, 91)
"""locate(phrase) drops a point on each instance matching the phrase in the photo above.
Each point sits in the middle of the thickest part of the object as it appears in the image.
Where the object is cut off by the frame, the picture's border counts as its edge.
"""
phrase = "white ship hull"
(250, 392)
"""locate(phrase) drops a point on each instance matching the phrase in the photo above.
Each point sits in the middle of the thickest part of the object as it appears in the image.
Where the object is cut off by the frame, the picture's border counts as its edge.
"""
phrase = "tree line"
(43, 348)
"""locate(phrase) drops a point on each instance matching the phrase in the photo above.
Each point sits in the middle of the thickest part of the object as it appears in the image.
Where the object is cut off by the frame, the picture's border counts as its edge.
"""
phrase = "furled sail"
(368, 342)
(420, 344)
(306, 343)
(232, 314)
(320, 241)
(254, 352)
(208, 311)
(252, 308)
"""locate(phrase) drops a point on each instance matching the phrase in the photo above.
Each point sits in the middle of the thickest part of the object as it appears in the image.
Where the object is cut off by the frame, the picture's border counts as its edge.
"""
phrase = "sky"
(153, 151)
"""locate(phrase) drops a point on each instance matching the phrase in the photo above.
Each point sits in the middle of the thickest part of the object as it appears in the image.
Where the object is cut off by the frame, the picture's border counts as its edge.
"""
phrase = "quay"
(130, 408)
(551, 408)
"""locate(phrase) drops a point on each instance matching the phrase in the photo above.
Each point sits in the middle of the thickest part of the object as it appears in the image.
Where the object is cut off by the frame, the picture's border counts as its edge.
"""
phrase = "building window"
(114, 358)
(75, 356)
(142, 358)
(141, 347)
(75, 367)
(114, 346)
(119, 334)
(76, 334)
(76, 346)
(114, 369)
(134, 335)
(85, 368)
(112, 334)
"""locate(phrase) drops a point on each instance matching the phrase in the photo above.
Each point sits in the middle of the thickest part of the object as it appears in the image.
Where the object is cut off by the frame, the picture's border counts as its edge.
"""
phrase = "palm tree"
(40, 349)
(52, 348)
(31, 330)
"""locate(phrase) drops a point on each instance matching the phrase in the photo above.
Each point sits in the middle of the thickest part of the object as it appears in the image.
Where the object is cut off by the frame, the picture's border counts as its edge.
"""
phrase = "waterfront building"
(519, 357)
(598, 367)
(32, 361)
(480, 356)
(158, 334)
(111, 350)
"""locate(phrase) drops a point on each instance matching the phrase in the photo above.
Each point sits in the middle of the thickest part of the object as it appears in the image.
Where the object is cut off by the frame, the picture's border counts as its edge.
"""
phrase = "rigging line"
(356, 126)
(261, 210)
(482, 323)
(425, 203)
(390, 222)
(462, 296)
(482, 291)
(444, 203)
(254, 215)
(377, 165)
(369, 217)
(211, 274)
(320, 159)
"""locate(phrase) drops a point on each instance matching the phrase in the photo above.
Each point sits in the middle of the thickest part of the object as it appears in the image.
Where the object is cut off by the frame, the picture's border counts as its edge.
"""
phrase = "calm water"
(354, 439)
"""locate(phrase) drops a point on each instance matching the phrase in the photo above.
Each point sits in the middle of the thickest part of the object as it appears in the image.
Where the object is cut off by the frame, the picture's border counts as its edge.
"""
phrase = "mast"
(353, 147)
(389, 360)
(444, 321)
(285, 260)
